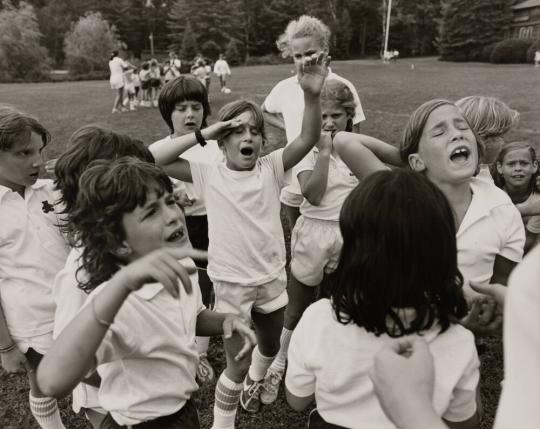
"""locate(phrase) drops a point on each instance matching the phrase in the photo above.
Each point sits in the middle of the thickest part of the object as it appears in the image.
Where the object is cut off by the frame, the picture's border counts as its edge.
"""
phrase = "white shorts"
(117, 82)
(315, 249)
(40, 343)
(242, 300)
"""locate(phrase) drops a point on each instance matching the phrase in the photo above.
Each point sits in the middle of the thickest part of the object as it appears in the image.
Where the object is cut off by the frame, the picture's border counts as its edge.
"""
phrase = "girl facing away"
(515, 171)
(333, 346)
(138, 289)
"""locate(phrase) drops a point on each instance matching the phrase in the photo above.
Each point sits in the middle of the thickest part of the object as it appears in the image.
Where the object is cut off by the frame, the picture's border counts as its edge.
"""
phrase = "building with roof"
(526, 20)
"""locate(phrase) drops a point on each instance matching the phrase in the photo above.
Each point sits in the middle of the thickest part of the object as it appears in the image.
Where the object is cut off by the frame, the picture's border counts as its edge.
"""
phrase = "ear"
(416, 163)
(499, 168)
(123, 251)
(535, 166)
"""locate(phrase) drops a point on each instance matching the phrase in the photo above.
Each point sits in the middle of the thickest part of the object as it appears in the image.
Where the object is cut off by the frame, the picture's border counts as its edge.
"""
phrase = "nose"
(189, 112)
(38, 160)
(457, 134)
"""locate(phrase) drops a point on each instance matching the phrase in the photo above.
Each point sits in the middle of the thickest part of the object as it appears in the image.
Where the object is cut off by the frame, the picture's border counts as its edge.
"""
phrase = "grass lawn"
(389, 93)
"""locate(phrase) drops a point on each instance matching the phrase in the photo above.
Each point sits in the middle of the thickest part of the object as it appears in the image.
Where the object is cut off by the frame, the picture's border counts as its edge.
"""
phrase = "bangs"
(189, 90)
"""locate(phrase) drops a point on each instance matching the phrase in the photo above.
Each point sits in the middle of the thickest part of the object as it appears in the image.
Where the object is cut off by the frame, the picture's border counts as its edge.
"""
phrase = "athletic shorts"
(145, 84)
(117, 83)
(155, 83)
(40, 343)
(242, 300)
(315, 249)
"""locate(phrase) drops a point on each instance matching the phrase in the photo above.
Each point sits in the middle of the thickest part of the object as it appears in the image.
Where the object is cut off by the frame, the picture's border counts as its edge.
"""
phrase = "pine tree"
(190, 47)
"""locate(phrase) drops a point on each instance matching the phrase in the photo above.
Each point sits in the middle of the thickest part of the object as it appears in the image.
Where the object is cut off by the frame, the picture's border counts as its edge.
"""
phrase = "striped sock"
(281, 359)
(227, 397)
(45, 411)
(259, 365)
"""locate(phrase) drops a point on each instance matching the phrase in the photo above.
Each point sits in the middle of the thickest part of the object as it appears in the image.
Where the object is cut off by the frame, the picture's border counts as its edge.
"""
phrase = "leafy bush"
(232, 53)
(532, 49)
(510, 51)
(89, 44)
(270, 59)
(22, 58)
(485, 53)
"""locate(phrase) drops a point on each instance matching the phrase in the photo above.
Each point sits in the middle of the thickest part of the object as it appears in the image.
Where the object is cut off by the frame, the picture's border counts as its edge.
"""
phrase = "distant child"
(515, 171)
(146, 89)
(129, 87)
(32, 251)
(155, 81)
(388, 285)
(172, 67)
(284, 106)
(138, 325)
(199, 71)
(490, 119)
(87, 144)
(222, 70)
(242, 202)
(183, 103)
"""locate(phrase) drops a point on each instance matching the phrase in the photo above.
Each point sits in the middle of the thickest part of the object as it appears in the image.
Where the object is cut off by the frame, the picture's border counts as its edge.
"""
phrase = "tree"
(21, 55)
(190, 47)
(232, 53)
(89, 43)
(469, 25)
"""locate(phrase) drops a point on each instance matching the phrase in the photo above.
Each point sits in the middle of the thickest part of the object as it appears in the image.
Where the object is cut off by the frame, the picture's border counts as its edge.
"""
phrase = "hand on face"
(217, 130)
(325, 142)
(312, 72)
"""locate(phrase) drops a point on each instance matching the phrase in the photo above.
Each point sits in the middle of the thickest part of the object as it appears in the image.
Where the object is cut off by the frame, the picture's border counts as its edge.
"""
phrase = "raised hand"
(163, 266)
(216, 130)
(485, 316)
(325, 142)
(234, 325)
(313, 72)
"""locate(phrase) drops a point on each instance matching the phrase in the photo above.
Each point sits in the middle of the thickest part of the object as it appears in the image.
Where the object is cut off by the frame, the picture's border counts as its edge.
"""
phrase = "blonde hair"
(304, 26)
(490, 119)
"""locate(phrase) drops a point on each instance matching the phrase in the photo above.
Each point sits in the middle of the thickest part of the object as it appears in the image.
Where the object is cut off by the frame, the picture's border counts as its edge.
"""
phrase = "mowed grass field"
(389, 93)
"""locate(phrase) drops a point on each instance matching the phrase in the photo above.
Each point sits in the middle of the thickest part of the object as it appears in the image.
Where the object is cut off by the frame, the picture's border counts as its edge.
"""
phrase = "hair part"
(236, 108)
(498, 178)
(304, 26)
(108, 190)
(16, 125)
(182, 88)
(381, 222)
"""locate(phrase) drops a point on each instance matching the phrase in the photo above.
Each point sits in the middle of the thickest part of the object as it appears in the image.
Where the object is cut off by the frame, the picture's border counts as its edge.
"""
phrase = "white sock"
(227, 396)
(202, 344)
(259, 365)
(281, 358)
(45, 411)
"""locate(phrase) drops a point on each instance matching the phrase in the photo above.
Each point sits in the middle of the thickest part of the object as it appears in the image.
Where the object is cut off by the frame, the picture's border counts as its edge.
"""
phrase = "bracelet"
(8, 348)
(199, 137)
(102, 322)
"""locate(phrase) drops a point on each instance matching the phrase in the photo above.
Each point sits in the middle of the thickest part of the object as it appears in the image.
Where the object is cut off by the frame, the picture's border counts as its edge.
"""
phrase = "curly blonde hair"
(304, 26)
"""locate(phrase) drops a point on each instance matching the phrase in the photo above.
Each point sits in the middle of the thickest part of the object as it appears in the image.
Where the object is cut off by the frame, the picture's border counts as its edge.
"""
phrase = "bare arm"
(384, 151)
(13, 360)
(313, 183)
(298, 403)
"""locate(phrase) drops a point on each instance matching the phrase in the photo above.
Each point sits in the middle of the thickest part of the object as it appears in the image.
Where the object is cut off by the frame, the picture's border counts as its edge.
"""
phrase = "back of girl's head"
(16, 125)
(108, 190)
(88, 144)
(113, 54)
(235, 108)
(146, 65)
(399, 251)
(508, 148)
(490, 119)
(335, 91)
(304, 26)
(183, 88)
(412, 134)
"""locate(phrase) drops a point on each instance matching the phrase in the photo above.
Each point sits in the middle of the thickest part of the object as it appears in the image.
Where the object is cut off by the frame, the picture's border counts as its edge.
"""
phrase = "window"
(526, 32)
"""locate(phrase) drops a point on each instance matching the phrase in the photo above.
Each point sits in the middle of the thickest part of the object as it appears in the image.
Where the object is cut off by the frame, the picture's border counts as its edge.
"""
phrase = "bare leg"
(300, 297)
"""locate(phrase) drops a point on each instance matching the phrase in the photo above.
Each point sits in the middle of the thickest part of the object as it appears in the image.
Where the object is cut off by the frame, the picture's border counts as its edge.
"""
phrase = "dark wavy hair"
(15, 125)
(498, 178)
(108, 189)
(183, 88)
(235, 108)
(399, 251)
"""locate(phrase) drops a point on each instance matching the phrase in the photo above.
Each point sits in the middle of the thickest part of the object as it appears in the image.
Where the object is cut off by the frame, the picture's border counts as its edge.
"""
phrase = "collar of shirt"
(4, 190)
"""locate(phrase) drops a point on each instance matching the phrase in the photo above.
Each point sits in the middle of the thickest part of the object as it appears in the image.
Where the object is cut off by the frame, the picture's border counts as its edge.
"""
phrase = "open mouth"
(460, 154)
(190, 124)
(247, 151)
(177, 235)
(34, 175)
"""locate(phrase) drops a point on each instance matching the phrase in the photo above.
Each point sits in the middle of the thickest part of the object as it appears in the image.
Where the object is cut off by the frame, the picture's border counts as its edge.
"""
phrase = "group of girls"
(399, 254)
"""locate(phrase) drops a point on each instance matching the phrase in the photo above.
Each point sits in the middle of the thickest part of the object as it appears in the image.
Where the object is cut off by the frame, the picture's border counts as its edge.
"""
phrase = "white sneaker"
(270, 387)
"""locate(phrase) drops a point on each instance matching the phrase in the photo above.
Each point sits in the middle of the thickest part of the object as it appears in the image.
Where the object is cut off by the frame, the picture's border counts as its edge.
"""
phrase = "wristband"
(102, 322)
(7, 349)
(199, 137)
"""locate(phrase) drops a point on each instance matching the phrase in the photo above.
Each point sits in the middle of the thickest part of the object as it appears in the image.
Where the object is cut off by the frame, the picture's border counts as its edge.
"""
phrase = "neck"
(459, 196)
(15, 188)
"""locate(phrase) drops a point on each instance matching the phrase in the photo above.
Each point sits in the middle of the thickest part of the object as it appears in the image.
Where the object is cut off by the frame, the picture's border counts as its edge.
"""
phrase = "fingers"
(483, 288)
(227, 328)
(181, 253)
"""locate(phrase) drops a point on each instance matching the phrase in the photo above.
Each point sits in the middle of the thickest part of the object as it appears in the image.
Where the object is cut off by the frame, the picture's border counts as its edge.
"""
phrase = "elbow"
(314, 201)
(49, 384)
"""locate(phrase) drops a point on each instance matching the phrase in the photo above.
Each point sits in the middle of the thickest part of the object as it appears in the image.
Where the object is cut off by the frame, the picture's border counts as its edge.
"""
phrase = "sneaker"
(123, 109)
(115, 110)
(270, 387)
(249, 398)
(155, 103)
(205, 372)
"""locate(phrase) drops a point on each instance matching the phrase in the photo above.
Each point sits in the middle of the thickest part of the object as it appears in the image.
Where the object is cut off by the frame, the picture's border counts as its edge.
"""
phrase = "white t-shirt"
(149, 353)
(32, 251)
(341, 181)
(222, 68)
(209, 154)
(520, 399)
(532, 223)
(117, 66)
(69, 299)
(333, 361)
(244, 225)
(492, 226)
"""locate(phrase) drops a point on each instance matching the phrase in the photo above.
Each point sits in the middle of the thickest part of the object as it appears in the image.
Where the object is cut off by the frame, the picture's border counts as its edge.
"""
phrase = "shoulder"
(318, 314)
(490, 194)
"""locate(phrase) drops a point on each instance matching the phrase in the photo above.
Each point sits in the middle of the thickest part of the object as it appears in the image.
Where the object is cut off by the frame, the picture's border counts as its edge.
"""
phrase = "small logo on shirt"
(46, 207)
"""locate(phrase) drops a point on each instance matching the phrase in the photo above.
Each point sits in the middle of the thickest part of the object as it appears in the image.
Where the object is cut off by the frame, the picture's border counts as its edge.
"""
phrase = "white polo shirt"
(492, 226)
(209, 154)
(149, 354)
(333, 361)
(32, 251)
(341, 181)
(520, 398)
(244, 225)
